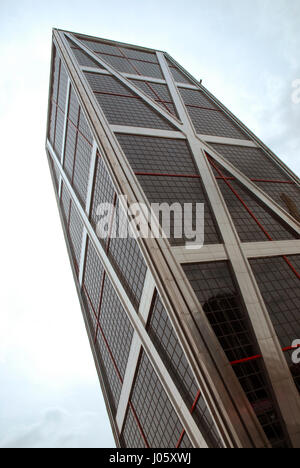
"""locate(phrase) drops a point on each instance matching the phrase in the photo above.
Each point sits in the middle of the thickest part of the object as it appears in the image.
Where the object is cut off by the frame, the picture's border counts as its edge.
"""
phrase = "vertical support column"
(274, 360)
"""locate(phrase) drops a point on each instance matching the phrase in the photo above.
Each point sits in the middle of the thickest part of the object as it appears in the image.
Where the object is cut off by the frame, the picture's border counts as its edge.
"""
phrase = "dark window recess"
(121, 110)
(224, 308)
(75, 235)
(84, 129)
(127, 259)
(73, 108)
(52, 123)
(138, 54)
(100, 47)
(65, 200)
(131, 435)
(85, 60)
(103, 192)
(154, 410)
(208, 122)
(82, 168)
(247, 228)
(56, 174)
(93, 277)
(59, 131)
(121, 105)
(281, 292)
(157, 92)
(178, 75)
(62, 89)
(186, 443)
(253, 162)
(181, 190)
(70, 147)
(192, 97)
(110, 375)
(167, 344)
(157, 155)
(116, 326)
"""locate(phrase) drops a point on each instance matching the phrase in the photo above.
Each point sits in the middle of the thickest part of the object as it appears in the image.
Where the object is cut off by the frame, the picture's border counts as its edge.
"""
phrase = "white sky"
(247, 53)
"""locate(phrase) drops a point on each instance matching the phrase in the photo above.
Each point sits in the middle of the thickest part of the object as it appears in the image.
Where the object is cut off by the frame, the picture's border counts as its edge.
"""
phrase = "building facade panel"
(243, 408)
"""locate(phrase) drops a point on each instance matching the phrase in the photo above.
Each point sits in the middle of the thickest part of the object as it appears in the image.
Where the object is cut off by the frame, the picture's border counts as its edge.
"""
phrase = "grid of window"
(82, 168)
(294, 368)
(110, 375)
(108, 372)
(73, 107)
(127, 259)
(191, 97)
(286, 195)
(158, 92)
(100, 47)
(147, 69)
(84, 60)
(177, 74)
(93, 276)
(139, 55)
(280, 289)
(120, 110)
(253, 162)
(157, 155)
(181, 190)
(103, 191)
(56, 67)
(52, 123)
(121, 105)
(119, 63)
(59, 130)
(208, 122)
(131, 435)
(154, 410)
(62, 90)
(56, 174)
(224, 308)
(165, 340)
(75, 234)
(84, 129)
(70, 147)
(247, 228)
(186, 443)
(107, 84)
(65, 203)
(116, 326)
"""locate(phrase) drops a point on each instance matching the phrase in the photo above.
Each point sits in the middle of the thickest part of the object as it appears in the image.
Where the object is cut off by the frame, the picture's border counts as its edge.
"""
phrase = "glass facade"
(149, 157)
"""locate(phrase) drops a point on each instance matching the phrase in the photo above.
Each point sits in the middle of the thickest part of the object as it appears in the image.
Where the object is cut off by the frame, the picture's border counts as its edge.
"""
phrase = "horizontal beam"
(147, 132)
(227, 141)
(217, 252)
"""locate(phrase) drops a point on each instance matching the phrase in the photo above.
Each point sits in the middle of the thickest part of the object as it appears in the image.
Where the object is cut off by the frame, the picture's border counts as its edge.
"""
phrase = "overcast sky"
(246, 52)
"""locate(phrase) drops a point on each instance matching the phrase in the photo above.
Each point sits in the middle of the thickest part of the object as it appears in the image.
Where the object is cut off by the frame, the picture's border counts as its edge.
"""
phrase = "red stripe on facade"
(191, 411)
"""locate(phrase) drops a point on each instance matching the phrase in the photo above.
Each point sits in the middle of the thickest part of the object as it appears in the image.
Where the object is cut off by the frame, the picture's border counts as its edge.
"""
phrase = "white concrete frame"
(268, 342)
(233, 424)
(88, 209)
(136, 347)
(278, 210)
(159, 110)
(138, 324)
(217, 252)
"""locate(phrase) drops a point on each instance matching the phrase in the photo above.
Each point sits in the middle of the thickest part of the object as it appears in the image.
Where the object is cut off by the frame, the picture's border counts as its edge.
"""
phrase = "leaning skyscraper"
(194, 347)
